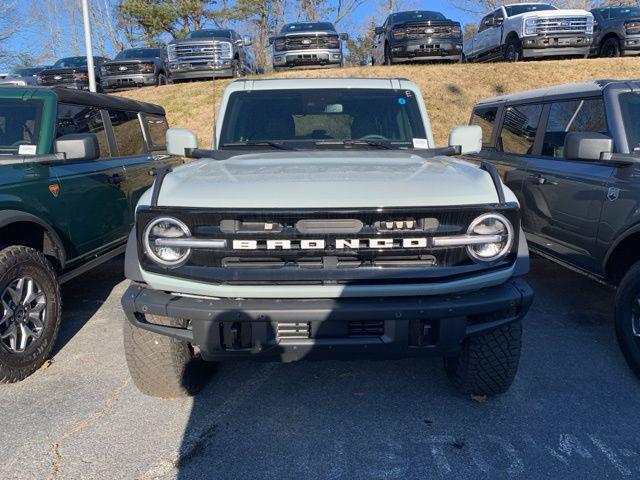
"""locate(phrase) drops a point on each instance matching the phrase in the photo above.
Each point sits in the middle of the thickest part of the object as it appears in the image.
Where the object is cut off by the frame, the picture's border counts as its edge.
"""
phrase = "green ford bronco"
(72, 167)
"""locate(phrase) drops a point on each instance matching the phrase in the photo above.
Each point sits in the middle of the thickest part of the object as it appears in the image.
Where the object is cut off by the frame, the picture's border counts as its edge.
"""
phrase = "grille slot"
(366, 328)
(130, 68)
(303, 43)
(204, 50)
(293, 330)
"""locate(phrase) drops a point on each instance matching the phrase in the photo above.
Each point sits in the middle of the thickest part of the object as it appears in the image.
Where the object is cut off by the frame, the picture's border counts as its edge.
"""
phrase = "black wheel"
(387, 55)
(513, 51)
(627, 317)
(487, 363)
(610, 48)
(161, 80)
(162, 366)
(237, 71)
(30, 312)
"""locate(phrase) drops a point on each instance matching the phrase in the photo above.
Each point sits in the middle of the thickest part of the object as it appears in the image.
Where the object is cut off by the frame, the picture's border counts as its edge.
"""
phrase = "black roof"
(102, 100)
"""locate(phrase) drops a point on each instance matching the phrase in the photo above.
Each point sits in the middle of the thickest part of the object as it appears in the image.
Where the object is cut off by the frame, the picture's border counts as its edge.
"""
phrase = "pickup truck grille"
(311, 42)
(427, 30)
(123, 68)
(315, 246)
(561, 25)
(212, 50)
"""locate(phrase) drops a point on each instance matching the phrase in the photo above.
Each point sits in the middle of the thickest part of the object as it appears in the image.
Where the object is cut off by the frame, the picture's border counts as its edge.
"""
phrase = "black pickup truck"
(135, 67)
(617, 31)
(71, 72)
(417, 36)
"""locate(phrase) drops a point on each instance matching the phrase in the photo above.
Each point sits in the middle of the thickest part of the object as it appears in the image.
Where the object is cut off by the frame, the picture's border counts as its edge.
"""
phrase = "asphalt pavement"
(571, 413)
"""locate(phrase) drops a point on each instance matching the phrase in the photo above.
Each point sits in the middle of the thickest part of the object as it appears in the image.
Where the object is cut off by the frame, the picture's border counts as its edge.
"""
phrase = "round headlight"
(491, 224)
(165, 254)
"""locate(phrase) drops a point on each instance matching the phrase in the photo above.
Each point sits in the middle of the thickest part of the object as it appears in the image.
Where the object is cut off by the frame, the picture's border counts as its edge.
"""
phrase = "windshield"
(138, 53)
(528, 7)
(71, 62)
(26, 72)
(630, 105)
(209, 34)
(418, 16)
(622, 12)
(324, 118)
(19, 124)
(306, 27)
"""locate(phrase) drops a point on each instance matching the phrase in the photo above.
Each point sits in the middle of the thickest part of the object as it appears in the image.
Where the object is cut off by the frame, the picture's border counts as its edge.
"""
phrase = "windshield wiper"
(355, 143)
(260, 143)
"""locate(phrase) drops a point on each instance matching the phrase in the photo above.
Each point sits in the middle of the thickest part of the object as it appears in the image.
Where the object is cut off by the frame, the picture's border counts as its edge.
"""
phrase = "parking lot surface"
(571, 413)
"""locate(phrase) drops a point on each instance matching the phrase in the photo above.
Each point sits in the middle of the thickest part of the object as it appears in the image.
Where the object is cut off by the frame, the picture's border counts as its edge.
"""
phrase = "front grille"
(56, 78)
(211, 50)
(366, 328)
(311, 42)
(293, 330)
(426, 30)
(561, 25)
(123, 69)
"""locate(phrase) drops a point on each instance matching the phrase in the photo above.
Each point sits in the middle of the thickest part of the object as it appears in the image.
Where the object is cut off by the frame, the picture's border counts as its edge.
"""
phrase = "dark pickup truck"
(71, 72)
(72, 167)
(617, 31)
(308, 45)
(417, 36)
(135, 67)
(571, 154)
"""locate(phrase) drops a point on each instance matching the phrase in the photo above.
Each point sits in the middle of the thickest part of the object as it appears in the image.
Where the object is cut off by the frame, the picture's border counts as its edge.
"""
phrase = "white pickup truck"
(530, 30)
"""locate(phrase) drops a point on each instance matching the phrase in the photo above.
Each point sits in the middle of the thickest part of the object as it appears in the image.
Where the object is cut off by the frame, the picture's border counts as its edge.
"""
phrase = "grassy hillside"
(449, 91)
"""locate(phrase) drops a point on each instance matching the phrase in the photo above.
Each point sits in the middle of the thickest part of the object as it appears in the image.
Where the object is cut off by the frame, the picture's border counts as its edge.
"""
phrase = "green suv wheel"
(627, 317)
(487, 363)
(30, 312)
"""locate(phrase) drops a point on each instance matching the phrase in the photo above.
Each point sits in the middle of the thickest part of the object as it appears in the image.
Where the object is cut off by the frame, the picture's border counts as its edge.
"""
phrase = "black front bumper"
(289, 330)
(426, 49)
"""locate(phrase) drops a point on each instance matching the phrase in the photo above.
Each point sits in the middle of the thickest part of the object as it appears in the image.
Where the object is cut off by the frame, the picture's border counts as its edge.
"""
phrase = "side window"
(157, 129)
(82, 119)
(519, 129)
(572, 116)
(484, 23)
(128, 133)
(485, 118)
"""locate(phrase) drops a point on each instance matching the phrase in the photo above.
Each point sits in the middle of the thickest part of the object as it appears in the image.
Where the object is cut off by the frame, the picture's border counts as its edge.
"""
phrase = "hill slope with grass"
(449, 91)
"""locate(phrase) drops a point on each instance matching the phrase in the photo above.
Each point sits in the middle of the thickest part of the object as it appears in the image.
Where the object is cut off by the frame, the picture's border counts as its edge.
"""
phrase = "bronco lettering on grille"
(338, 244)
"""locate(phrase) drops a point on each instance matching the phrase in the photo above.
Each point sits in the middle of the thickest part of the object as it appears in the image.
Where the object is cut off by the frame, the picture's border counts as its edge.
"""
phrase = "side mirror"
(344, 37)
(497, 22)
(78, 146)
(271, 40)
(379, 30)
(179, 139)
(468, 138)
(586, 146)
(247, 41)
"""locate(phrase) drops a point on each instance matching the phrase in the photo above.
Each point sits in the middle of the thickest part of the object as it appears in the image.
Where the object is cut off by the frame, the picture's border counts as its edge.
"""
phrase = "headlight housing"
(398, 33)
(531, 26)
(171, 52)
(632, 28)
(166, 228)
(147, 68)
(103, 71)
(493, 224)
(81, 76)
(591, 22)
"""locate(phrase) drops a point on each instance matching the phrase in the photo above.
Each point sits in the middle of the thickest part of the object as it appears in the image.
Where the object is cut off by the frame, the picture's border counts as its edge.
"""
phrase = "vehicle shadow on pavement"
(84, 295)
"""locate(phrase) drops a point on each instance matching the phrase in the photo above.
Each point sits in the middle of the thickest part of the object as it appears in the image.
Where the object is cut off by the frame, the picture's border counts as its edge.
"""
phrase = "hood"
(556, 13)
(326, 180)
(308, 33)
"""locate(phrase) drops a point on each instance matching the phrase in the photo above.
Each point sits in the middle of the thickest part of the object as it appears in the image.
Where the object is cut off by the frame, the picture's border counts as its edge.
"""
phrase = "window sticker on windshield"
(402, 101)
(420, 143)
(27, 149)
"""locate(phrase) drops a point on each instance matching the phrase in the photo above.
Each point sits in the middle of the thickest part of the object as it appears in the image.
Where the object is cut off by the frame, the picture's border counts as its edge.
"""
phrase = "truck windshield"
(71, 62)
(630, 105)
(418, 16)
(528, 7)
(208, 34)
(323, 118)
(307, 27)
(623, 12)
(19, 124)
(138, 53)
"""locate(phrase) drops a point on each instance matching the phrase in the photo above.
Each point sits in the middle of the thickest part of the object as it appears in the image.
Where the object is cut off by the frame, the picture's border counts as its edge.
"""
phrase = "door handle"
(540, 180)
(116, 178)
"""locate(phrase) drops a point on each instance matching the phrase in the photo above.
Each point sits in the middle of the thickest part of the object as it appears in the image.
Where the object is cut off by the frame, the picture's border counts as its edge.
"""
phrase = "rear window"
(128, 133)
(485, 118)
(630, 105)
(19, 124)
(157, 129)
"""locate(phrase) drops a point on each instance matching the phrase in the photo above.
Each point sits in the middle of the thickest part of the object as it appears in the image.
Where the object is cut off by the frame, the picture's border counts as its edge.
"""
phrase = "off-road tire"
(488, 362)
(162, 366)
(16, 261)
(513, 51)
(610, 48)
(628, 293)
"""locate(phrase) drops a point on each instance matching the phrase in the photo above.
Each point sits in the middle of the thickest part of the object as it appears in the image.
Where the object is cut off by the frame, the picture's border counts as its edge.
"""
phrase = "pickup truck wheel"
(162, 80)
(627, 317)
(487, 363)
(30, 312)
(387, 56)
(610, 48)
(237, 71)
(513, 51)
(162, 366)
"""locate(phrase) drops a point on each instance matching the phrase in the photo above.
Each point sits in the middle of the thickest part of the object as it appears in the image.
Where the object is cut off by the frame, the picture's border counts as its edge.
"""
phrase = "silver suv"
(308, 45)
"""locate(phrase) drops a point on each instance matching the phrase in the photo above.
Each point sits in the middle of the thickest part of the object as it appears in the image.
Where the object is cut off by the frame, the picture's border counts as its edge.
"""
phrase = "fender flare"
(620, 238)
(7, 217)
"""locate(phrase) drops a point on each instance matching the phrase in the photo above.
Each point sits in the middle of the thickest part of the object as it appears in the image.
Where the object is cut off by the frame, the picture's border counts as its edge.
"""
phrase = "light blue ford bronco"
(325, 223)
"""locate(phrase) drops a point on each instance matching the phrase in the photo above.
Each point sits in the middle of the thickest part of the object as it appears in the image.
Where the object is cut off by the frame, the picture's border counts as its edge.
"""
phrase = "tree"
(10, 24)
(359, 47)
